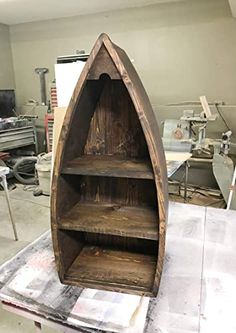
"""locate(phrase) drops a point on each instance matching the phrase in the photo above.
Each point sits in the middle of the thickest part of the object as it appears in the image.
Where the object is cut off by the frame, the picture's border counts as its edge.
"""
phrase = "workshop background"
(185, 54)
(181, 50)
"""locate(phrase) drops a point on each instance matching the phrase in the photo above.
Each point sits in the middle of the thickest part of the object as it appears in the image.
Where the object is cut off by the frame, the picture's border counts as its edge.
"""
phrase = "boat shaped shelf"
(109, 188)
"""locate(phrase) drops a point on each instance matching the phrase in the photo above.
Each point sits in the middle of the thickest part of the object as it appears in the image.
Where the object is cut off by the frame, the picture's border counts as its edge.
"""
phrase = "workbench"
(198, 285)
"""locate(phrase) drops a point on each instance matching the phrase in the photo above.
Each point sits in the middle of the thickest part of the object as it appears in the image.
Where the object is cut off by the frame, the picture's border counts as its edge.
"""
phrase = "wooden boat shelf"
(109, 188)
(137, 222)
(109, 166)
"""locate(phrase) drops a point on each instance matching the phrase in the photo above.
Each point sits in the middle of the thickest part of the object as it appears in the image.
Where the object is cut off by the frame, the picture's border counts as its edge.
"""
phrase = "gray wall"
(6, 64)
(181, 50)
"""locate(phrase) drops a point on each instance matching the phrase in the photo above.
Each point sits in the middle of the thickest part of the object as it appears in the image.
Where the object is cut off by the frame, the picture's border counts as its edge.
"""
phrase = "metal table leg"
(3, 182)
(186, 180)
(38, 326)
(232, 189)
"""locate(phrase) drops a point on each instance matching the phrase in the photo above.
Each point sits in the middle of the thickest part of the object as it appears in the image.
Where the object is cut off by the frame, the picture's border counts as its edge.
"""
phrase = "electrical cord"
(221, 115)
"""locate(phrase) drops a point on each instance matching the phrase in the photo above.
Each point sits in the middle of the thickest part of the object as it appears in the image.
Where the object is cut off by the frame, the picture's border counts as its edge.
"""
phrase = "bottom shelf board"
(97, 266)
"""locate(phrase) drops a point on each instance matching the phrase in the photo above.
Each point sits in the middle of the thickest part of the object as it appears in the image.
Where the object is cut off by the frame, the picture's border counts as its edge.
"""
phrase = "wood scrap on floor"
(196, 195)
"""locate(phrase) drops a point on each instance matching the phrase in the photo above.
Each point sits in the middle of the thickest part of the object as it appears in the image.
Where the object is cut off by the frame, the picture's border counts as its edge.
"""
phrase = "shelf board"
(138, 222)
(109, 166)
(98, 266)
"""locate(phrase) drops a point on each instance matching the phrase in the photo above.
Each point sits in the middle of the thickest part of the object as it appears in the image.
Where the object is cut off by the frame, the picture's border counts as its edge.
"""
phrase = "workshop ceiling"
(21, 11)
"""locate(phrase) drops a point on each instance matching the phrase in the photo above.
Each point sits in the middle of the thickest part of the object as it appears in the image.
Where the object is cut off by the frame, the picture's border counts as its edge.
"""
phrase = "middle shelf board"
(110, 166)
(137, 222)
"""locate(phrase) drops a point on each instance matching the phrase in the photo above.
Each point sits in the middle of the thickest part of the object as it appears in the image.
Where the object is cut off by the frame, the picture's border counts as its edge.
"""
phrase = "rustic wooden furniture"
(109, 188)
(195, 290)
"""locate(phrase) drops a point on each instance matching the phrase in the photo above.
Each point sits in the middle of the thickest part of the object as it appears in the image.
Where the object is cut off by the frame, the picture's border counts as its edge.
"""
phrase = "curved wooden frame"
(143, 107)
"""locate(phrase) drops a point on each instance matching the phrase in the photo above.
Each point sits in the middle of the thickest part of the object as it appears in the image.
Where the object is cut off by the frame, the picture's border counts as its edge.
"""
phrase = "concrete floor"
(32, 219)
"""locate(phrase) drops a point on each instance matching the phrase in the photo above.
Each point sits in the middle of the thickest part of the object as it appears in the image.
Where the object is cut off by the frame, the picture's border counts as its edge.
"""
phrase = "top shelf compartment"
(109, 166)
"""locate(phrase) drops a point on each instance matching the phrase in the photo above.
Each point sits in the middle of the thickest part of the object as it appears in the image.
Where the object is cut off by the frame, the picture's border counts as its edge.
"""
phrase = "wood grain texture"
(112, 220)
(110, 166)
(113, 268)
(115, 128)
(73, 243)
(110, 115)
(115, 190)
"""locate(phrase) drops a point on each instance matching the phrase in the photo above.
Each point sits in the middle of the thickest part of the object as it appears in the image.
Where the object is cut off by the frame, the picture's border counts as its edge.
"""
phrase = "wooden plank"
(205, 106)
(121, 191)
(138, 222)
(110, 166)
(177, 156)
(115, 128)
(59, 115)
(101, 266)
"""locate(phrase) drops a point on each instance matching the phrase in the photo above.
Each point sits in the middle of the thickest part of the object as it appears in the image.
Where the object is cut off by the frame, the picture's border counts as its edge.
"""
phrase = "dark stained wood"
(109, 156)
(115, 127)
(112, 220)
(110, 166)
(114, 269)
(72, 242)
(114, 190)
(103, 65)
(121, 243)
(76, 139)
